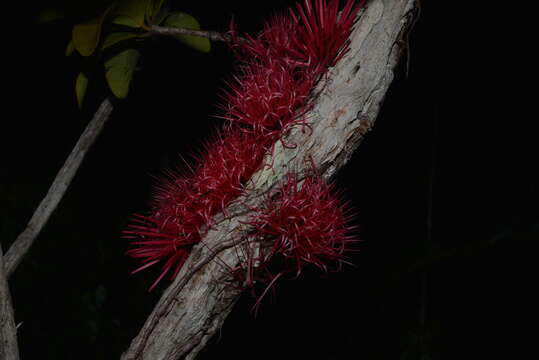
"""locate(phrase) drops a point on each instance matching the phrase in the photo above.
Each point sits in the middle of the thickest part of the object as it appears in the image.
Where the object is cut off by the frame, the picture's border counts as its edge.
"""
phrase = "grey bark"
(196, 304)
(212, 35)
(24, 241)
(8, 331)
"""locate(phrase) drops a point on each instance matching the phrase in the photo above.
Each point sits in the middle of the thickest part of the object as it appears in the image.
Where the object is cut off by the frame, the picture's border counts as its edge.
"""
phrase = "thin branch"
(8, 330)
(169, 31)
(57, 190)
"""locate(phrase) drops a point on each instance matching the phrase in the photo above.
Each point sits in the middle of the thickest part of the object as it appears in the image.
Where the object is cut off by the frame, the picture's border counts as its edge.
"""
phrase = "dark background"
(447, 135)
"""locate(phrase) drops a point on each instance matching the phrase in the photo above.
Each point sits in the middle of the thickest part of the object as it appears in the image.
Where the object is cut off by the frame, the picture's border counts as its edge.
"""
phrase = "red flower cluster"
(306, 223)
(276, 73)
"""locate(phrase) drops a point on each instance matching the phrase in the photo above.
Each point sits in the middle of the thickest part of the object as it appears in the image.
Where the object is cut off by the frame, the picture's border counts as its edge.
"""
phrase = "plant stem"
(63, 179)
(8, 330)
(212, 35)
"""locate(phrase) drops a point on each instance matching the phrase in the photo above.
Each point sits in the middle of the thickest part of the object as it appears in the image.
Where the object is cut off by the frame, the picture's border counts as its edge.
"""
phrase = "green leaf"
(49, 15)
(134, 9)
(160, 16)
(186, 21)
(81, 84)
(119, 71)
(125, 21)
(114, 38)
(86, 35)
(70, 48)
(156, 7)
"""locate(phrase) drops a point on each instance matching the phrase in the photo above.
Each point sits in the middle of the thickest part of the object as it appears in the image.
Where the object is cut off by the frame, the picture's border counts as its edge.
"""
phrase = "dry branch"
(196, 304)
(57, 190)
(170, 31)
(8, 330)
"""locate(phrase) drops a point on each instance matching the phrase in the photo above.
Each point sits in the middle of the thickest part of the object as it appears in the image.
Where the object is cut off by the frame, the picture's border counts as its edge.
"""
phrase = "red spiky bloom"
(306, 223)
(271, 91)
(280, 67)
(302, 222)
(183, 204)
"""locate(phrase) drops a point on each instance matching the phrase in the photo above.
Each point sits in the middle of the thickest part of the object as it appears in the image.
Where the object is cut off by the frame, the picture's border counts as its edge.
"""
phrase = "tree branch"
(197, 303)
(8, 330)
(169, 31)
(57, 190)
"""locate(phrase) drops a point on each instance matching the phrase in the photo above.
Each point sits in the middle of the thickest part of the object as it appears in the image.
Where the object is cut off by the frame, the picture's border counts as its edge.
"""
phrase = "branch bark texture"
(57, 190)
(169, 31)
(196, 304)
(8, 331)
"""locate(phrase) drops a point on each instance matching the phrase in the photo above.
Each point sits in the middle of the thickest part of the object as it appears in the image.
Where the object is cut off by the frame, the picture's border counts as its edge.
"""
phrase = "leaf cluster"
(113, 37)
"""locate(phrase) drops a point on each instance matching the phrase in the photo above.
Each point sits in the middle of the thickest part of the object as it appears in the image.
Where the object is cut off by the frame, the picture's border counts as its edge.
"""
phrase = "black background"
(449, 125)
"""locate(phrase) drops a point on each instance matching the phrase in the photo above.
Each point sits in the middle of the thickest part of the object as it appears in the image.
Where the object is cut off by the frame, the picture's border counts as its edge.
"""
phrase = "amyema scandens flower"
(271, 91)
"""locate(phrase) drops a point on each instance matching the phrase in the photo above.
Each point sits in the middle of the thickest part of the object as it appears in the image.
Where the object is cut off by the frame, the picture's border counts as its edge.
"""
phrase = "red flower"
(271, 91)
(182, 205)
(306, 223)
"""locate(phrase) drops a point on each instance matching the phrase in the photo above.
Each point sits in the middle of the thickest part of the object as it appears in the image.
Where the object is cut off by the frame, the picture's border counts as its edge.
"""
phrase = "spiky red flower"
(183, 204)
(306, 223)
(314, 36)
(280, 67)
(271, 91)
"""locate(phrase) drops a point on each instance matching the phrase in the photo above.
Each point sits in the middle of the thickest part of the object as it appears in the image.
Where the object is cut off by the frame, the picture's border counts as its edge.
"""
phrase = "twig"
(212, 35)
(57, 190)
(8, 330)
